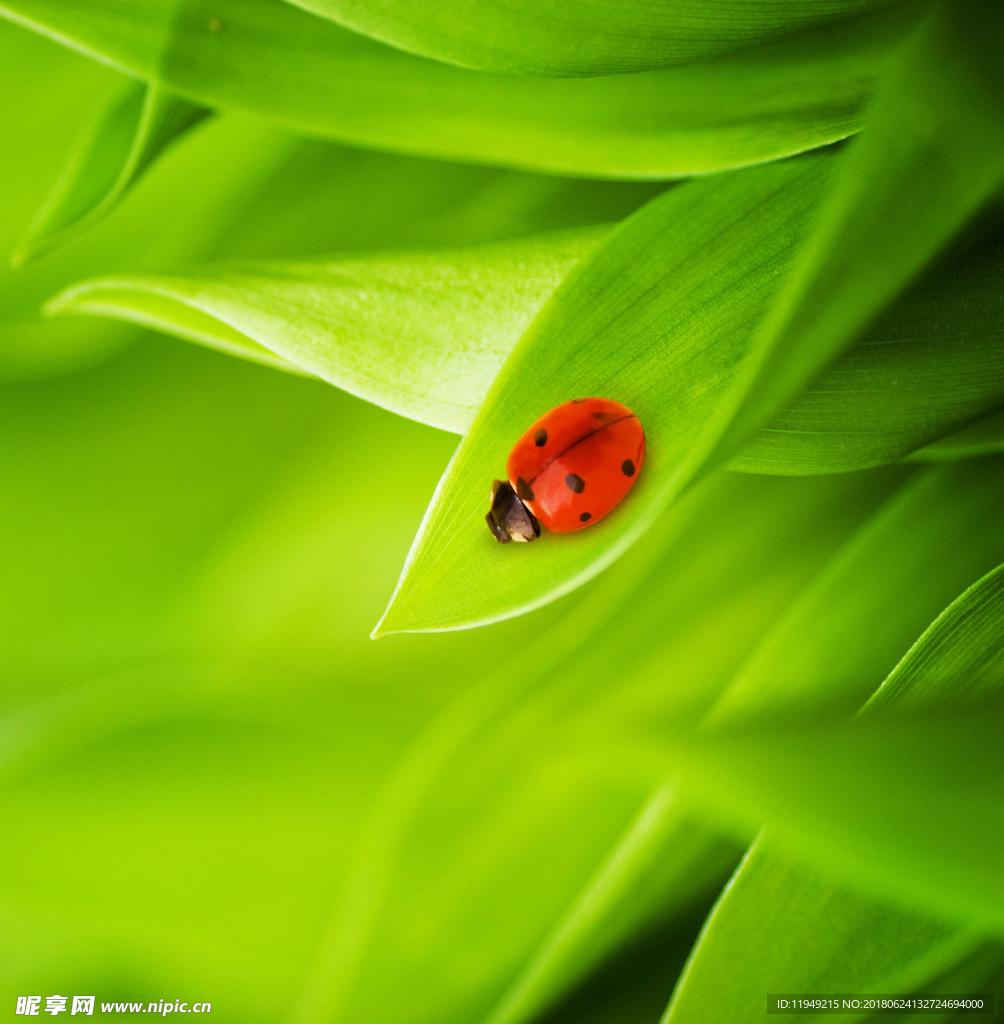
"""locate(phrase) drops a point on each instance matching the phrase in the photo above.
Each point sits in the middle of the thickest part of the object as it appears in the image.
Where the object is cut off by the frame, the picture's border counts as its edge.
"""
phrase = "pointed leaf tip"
(136, 128)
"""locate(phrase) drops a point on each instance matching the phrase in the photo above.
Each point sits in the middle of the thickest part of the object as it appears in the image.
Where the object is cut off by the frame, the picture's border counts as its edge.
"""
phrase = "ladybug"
(573, 466)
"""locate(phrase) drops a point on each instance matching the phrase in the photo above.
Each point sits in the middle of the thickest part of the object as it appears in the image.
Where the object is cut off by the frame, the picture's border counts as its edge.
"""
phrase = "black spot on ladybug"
(575, 483)
(540, 438)
(577, 401)
(627, 467)
(604, 416)
(585, 517)
(523, 489)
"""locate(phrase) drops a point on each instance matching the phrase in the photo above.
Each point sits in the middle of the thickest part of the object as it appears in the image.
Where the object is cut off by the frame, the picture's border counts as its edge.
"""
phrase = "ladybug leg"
(508, 518)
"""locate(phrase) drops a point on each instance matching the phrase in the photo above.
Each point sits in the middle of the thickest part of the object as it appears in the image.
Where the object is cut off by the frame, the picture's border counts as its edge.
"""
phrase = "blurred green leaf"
(939, 532)
(416, 333)
(430, 907)
(235, 190)
(47, 91)
(631, 987)
(904, 802)
(853, 623)
(931, 157)
(686, 605)
(120, 486)
(958, 658)
(812, 934)
(644, 878)
(710, 588)
(782, 927)
(186, 673)
(268, 58)
(35, 125)
(908, 806)
(982, 972)
(130, 134)
(553, 38)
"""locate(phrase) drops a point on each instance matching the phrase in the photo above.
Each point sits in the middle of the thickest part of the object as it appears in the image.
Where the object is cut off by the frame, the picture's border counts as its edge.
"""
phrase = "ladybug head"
(508, 518)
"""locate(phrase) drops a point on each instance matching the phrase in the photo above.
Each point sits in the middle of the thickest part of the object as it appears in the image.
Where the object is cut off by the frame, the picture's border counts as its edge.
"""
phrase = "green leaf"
(813, 934)
(554, 38)
(852, 624)
(493, 773)
(650, 873)
(415, 333)
(35, 124)
(958, 657)
(931, 157)
(117, 149)
(658, 319)
(662, 316)
(235, 190)
(983, 437)
(940, 348)
(632, 987)
(903, 802)
(480, 767)
(782, 927)
(170, 664)
(307, 317)
(906, 807)
(268, 58)
(47, 92)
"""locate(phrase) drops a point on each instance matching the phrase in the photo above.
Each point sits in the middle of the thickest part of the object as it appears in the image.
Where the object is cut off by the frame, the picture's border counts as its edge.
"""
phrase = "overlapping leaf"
(940, 349)
(658, 866)
(267, 57)
(852, 625)
(38, 127)
(131, 133)
(236, 190)
(983, 437)
(415, 333)
(554, 38)
(35, 131)
(781, 927)
(815, 934)
(358, 325)
(662, 316)
(169, 666)
(493, 764)
(658, 319)
(848, 794)
(932, 158)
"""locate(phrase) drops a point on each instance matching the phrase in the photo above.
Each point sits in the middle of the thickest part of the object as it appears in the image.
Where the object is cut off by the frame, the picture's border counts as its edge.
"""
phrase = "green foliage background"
(746, 736)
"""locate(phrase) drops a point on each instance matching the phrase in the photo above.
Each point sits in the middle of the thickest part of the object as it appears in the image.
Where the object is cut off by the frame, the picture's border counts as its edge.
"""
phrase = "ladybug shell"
(577, 462)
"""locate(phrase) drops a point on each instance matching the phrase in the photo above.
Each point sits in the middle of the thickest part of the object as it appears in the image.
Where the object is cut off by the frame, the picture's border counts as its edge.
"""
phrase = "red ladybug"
(570, 469)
